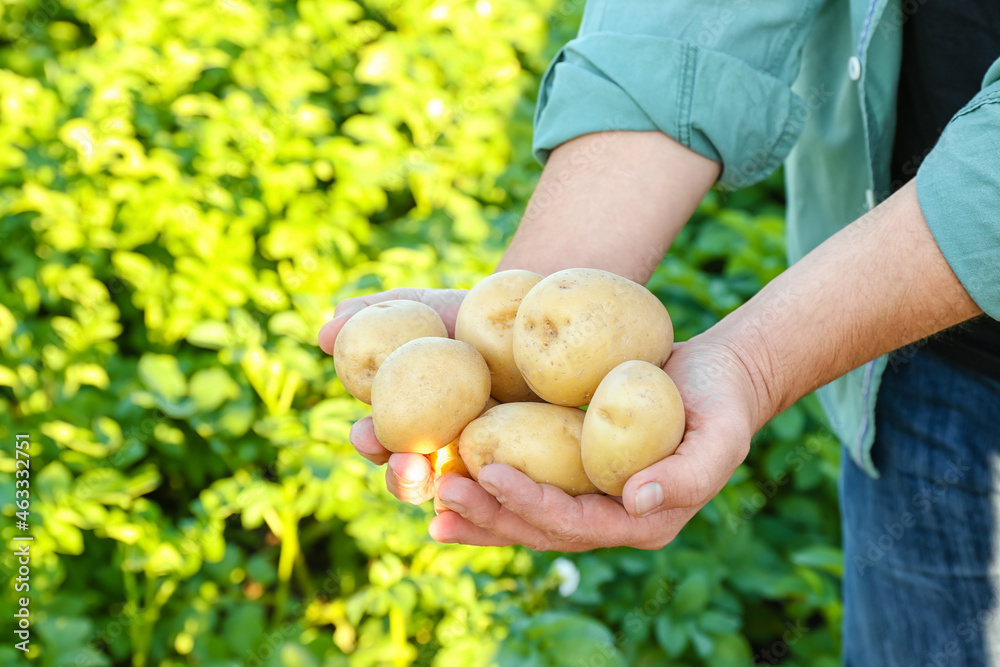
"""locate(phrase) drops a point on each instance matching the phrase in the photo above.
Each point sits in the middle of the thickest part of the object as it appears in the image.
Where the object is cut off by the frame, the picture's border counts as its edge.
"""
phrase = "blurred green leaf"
(672, 636)
(692, 595)
(821, 557)
(161, 375)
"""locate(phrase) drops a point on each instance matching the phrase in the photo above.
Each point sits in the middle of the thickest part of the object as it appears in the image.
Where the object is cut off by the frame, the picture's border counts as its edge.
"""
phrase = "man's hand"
(445, 302)
(606, 200)
(506, 507)
(409, 477)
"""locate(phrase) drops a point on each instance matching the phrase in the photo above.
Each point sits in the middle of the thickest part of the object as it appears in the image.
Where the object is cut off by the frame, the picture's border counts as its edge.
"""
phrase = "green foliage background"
(186, 189)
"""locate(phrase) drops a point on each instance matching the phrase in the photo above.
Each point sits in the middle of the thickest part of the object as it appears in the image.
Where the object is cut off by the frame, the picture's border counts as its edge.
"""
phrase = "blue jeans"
(919, 542)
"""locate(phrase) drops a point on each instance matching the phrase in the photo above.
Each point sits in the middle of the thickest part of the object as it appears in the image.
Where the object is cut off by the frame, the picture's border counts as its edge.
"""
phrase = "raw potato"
(490, 403)
(540, 440)
(486, 321)
(373, 334)
(426, 392)
(447, 459)
(574, 326)
(635, 419)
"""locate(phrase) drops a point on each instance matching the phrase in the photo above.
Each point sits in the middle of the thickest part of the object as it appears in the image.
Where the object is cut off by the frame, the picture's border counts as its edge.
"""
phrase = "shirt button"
(854, 68)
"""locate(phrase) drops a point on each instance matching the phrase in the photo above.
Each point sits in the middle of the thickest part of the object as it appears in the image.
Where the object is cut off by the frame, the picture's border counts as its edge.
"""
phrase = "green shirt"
(811, 84)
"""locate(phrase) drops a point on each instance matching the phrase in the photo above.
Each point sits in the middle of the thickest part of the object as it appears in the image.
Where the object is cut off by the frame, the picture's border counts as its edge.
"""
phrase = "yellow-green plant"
(186, 190)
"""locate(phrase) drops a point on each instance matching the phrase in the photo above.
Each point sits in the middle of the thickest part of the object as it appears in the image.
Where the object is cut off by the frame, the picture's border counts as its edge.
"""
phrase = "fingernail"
(648, 498)
(452, 504)
(407, 482)
(455, 506)
(491, 489)
(410, 483)
(403, 479)
(435, 531)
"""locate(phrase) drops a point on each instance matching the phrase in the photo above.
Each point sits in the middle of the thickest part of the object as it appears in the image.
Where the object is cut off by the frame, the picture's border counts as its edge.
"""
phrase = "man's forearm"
(612, 201)
(874, 287)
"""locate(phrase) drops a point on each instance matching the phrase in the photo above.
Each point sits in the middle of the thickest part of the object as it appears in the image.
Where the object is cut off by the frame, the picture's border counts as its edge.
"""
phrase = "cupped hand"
(506, 507)
(409, 477)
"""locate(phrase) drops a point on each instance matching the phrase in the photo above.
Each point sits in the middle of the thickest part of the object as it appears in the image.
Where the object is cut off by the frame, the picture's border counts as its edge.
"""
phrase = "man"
(637, 118)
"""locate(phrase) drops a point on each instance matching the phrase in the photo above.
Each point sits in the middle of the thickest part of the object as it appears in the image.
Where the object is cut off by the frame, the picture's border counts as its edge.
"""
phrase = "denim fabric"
(921, 552)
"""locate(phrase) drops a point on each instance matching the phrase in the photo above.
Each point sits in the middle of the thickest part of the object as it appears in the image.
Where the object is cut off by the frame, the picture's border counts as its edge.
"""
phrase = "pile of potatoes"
(529, 352)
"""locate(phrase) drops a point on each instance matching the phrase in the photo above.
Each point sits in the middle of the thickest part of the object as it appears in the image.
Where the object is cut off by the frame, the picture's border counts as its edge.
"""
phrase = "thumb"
(688, 478)
(328, 334)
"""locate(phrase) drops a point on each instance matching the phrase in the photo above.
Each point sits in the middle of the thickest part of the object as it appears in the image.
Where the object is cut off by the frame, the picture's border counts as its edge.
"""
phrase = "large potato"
(635, 419)
(486, 322)
(540, 440)
(426, 392)
(576, 325)
(373, 334)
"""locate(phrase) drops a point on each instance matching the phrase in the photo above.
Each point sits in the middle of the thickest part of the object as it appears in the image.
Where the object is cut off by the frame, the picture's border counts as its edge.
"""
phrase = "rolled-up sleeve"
(958, 187)
(714, 75)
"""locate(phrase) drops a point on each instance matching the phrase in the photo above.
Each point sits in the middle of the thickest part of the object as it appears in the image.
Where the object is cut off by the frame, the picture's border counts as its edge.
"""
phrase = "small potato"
(373, 334)
(447, 459)
(576, 325)
(540, 440)
(426, 392)
(486, 322)
(635, 419)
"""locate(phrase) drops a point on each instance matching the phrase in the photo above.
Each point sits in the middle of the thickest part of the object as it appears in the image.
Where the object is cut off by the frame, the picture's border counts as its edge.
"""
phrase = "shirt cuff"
(958, 187)
(716, 104)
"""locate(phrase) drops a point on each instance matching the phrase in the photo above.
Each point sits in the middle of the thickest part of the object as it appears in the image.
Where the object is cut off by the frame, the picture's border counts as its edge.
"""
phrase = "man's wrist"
(724, 367)
(752, 366)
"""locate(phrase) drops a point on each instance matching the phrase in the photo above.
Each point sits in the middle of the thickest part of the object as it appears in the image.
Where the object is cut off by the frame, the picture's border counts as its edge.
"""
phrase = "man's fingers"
(364, 440)
(409, 477)
(350, 307)
(471, 501)
(445, 302)
(452, 527)
(589, 519)
(328, 334)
